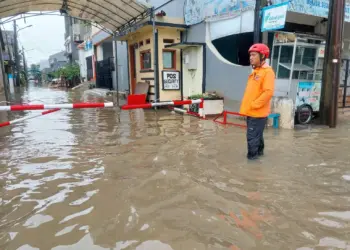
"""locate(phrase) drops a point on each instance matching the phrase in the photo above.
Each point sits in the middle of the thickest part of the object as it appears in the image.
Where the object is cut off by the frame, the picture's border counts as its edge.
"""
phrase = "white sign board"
(274, 17)
(321, 52)
(171, 80)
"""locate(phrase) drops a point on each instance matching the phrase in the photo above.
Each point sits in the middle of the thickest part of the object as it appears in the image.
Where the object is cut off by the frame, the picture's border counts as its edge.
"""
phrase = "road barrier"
(8, 123)
(169, 103)
(55, 106)
(225, 122)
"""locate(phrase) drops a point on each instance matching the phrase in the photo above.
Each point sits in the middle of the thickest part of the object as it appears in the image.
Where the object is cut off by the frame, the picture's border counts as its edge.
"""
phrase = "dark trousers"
(255, 138)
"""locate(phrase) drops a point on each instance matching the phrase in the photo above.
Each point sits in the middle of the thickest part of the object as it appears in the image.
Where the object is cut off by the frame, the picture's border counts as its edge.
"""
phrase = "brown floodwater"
(98, 179)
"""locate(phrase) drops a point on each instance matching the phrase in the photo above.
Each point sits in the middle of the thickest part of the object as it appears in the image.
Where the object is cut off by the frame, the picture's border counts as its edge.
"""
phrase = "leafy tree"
(70, 72)
(35, 71)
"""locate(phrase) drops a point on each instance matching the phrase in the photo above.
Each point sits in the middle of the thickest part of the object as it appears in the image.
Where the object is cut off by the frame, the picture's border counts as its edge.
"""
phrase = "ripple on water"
(104, 179)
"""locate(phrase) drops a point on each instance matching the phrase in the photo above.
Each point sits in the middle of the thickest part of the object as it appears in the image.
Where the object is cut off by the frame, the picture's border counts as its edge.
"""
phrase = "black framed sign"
(171, 80)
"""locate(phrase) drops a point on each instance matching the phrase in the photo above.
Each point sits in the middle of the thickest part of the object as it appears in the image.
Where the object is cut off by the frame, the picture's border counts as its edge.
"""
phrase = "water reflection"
(103, 179)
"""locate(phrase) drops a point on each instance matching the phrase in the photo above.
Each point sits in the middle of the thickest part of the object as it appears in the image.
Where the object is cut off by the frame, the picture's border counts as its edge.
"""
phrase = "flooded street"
(98, 179)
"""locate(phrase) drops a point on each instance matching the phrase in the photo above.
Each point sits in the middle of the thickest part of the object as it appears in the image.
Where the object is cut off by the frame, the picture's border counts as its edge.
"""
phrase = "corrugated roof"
(112, 14)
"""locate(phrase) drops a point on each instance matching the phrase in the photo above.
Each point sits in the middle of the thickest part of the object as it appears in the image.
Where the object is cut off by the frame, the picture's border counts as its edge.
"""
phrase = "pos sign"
(171, 80)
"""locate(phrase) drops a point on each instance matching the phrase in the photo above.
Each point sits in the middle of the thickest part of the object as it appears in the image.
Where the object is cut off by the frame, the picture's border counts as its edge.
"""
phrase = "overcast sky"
(45, 37)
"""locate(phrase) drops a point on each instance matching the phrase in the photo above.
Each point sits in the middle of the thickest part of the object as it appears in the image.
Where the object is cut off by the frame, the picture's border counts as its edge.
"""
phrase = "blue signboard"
(274, 17)
(88, 45)
(197, 11)
(313, 7)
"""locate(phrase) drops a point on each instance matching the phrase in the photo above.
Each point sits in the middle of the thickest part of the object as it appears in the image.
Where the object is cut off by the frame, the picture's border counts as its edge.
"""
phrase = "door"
(104, 69)
(89, 70)
(132, 68)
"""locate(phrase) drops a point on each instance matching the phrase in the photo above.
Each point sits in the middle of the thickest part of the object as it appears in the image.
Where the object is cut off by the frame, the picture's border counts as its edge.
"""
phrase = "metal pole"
(332, 65)
(257, 21)
(116, 65)
(71, 34)
(25, 66)
(4, 78)
(17, 75)
(346, 82)
(155, 61)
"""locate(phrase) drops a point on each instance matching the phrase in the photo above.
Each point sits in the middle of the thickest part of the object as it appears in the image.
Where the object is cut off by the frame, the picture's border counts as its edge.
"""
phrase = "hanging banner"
(309, 93)
(274, 17)
(313, 7)
(197, 11)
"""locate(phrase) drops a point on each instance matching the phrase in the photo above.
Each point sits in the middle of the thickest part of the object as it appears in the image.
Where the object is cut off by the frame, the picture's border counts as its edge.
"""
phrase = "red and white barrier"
(8, 123)
(55, 106)
(186, 112)
(170, 103)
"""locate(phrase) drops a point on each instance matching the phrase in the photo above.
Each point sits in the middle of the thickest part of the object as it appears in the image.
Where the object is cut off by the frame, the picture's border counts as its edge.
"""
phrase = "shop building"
(211, 40)
(97, 60)
(143, 48)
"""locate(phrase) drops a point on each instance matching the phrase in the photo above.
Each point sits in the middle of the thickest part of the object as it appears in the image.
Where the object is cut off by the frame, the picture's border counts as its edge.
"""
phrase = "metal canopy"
(184, 45)
(111, 14)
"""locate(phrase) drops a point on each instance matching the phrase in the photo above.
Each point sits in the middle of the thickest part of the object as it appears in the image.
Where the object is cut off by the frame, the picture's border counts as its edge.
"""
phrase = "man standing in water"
(256, 101)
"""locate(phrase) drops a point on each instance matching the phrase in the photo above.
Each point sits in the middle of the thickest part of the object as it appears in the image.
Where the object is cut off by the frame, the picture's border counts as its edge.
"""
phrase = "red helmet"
(260, 48)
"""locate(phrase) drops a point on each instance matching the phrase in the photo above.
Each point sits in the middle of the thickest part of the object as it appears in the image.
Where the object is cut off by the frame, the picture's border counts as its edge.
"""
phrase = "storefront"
(297, 60)
(151, 61)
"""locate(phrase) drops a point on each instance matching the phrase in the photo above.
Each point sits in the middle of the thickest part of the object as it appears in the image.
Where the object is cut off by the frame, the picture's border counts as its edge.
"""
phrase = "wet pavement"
(103, 179)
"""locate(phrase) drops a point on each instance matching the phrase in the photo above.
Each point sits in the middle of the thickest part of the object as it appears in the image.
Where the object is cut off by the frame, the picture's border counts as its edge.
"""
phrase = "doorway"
(89, 68)
(104, 70)
(132, 68)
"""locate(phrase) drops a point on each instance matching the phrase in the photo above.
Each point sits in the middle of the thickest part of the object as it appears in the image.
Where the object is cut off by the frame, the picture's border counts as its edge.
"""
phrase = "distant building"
(7, 37)
(8, 53)
(74, 28)
(44, 64)
(45, 74)
(57, 61)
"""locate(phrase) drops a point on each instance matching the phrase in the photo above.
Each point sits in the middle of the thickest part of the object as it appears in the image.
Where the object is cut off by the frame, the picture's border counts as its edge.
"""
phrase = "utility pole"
(332, 64)
(71, 33)
(257, 22)
(116, 65)
(3, 73)
(25, 66)
(17, 70)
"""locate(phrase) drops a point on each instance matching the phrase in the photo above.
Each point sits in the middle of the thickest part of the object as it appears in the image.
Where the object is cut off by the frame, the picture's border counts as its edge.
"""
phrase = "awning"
(184, 45)
(111, 14)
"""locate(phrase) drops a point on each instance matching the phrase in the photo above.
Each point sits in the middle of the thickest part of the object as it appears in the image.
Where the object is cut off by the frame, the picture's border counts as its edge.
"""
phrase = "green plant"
(70, 72)
(205, 96)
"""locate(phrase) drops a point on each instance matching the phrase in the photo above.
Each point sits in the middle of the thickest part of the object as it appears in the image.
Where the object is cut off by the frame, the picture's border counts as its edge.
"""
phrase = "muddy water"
(100, 179)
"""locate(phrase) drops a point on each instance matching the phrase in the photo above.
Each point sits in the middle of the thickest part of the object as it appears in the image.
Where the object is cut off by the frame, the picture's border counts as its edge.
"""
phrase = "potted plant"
(213, 103)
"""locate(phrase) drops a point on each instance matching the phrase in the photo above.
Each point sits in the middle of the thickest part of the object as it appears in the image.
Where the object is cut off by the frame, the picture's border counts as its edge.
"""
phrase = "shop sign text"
(313, 7)
(274, 17)
(171, 80)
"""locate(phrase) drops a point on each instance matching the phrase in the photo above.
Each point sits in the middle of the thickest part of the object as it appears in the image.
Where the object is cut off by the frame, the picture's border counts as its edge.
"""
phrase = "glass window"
(275, 57)
(169, 60)
(146, 62)
(285, 62)
(286, 54)
(283, 73)
(309, 57)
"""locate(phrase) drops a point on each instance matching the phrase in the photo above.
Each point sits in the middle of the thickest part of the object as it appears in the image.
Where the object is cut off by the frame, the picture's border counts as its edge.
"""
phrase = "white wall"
(123, 74)
(94, 29)
(193, 79)
(99, 52)
(240, 24)
(82, 63)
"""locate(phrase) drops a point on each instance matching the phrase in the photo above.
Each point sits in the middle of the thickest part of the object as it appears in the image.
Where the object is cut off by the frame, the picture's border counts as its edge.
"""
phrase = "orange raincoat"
(259, 91)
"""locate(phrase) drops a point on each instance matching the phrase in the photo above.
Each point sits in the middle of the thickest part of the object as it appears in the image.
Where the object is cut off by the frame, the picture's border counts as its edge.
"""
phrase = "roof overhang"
(184, 45)
(141, 25)
(111, 14)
